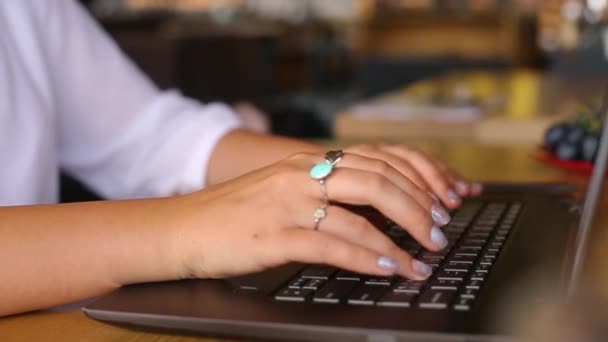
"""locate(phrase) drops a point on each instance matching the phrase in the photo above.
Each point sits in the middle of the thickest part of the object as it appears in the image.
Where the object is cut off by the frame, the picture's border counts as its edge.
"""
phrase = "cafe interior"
(487, 85)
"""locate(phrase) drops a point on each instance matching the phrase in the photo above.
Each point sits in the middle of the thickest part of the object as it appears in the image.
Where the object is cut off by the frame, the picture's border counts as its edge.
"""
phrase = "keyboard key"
(381, 281)
(442, 284)
(473, 284)
(482, 268)
(365, 295)
(451, 275)
(463, 304)
(313, 284)
(347, 275)
(487, 261)
(469, 254)
(440, 254)
(318, 272)
(334, 291)
(431, 261)
(408, 286)
(458, 267)
(477, 235)
(469, 293)
(481, 276)
(468, 249)
(482, 228)
(397, 299)
(293, 295)
(465, 259)
(298, 283)
(435, 299)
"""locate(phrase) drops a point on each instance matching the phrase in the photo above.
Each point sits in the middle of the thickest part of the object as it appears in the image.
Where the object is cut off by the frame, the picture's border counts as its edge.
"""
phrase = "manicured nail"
(476, 187)
(440, 215)
(388, 264)
(462, 187)
(438, 237)
(453, 196)
(421, 268)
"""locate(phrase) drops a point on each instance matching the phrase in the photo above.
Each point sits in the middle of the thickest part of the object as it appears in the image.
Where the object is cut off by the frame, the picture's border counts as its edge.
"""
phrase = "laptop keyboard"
(476, 235)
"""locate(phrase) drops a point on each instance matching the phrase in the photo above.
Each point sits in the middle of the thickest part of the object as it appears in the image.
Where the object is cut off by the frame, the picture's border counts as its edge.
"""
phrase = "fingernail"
(438, 237)
(388, 264)
(461, 187)
(440, 215)
(453, 196)
(421, 268)
(433, 196)
(476, 187)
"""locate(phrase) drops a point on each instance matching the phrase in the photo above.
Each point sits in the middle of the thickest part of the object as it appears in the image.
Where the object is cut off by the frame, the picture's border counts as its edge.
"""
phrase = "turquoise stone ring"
(321, 170)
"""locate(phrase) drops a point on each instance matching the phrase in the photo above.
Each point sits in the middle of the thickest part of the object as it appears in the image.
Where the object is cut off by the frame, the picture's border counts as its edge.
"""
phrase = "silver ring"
(320, 214)
(324, 196)
(334, 157)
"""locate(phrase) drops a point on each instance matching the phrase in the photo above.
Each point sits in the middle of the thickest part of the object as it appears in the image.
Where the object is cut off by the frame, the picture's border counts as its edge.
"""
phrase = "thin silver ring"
(320, 214)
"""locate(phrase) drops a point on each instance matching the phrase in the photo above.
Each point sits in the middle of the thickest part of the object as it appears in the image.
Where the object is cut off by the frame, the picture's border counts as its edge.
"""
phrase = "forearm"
(56, 254)
(241, 151)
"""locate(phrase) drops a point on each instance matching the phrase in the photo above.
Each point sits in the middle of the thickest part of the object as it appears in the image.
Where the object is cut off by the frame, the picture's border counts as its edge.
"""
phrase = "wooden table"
(514, 107)
(487, 163)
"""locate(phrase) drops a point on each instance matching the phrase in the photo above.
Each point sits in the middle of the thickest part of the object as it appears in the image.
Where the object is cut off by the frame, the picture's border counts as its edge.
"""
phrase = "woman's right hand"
(265, 219)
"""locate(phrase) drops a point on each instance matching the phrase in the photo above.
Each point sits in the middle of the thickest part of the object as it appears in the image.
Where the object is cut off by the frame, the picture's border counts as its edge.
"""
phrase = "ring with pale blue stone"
(320, 172)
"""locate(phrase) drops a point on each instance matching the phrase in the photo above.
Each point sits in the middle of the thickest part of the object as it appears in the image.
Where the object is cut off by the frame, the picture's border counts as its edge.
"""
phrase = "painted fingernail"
(453, 196)
(438, 237)
(388, 264)
(462, 187)
(421, 268)
(477, 187)
(440, 215)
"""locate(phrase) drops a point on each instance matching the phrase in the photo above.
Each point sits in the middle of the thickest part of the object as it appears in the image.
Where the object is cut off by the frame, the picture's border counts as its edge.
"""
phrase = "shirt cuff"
(223, 120)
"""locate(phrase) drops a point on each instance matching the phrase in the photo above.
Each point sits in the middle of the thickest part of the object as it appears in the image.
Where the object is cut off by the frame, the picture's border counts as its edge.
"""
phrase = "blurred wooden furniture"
(516, 107)
(483, 162)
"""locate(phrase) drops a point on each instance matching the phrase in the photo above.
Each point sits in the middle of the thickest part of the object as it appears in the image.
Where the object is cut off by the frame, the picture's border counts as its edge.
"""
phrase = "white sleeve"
(117, 132)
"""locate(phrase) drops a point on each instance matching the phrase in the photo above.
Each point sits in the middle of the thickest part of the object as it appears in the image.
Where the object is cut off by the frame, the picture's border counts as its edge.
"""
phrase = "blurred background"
(304, 61)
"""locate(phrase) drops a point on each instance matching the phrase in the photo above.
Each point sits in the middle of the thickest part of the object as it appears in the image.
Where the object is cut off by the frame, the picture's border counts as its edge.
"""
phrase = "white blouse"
(70, 99)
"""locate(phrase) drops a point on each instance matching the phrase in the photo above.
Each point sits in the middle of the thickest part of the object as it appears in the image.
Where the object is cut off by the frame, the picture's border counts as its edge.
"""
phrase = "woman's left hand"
(425, 170)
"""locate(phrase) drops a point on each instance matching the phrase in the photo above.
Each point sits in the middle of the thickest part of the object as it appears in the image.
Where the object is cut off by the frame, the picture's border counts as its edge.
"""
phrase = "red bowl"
(544, 155)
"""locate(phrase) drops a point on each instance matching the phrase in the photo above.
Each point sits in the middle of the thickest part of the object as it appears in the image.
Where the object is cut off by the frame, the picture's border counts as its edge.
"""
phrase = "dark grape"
(566, 150)
(590, 145)
(556, 134)
(576, 134)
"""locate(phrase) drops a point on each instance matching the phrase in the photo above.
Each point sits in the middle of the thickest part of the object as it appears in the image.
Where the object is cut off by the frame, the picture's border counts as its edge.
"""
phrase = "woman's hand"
(265, 218)
(426, 171)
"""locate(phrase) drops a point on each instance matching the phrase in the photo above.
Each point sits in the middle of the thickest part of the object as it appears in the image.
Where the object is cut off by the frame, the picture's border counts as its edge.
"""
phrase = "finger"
(384, 168)
(351, 227)
(439, 181)
(476, 188)
(321, 248)
(399, 164)
(361, 187)
(460, 184)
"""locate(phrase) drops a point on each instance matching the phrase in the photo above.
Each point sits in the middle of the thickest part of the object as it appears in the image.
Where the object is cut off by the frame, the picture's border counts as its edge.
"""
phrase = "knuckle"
(376, 182)
(284, 177)
(299, 156)
(382, 167)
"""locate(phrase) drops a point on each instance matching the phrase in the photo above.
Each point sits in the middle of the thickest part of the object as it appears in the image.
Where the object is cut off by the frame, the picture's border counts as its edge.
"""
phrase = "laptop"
(505, 238)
